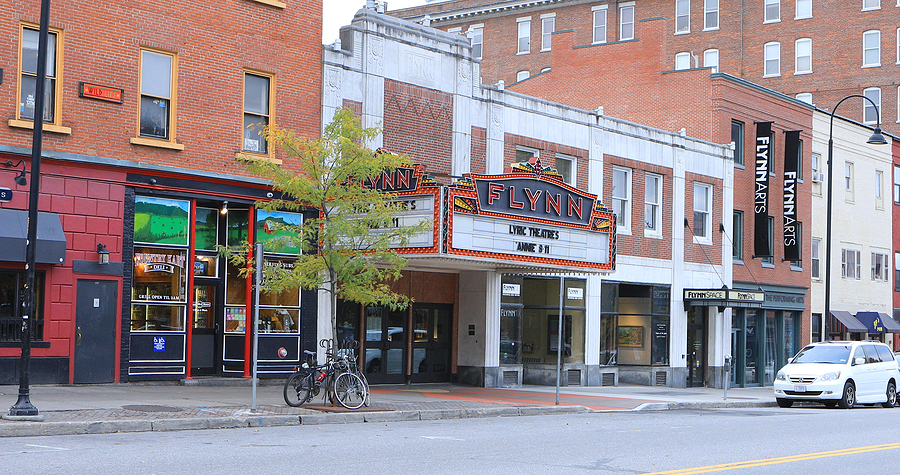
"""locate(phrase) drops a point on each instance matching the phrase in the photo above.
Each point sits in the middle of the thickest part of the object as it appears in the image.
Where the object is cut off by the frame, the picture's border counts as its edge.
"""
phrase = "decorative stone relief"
(333, 87)
(375, 57)
(464, 78)
(419, 67)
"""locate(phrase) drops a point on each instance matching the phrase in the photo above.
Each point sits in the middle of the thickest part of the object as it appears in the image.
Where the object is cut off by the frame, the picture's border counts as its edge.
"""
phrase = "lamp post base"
(23, 410)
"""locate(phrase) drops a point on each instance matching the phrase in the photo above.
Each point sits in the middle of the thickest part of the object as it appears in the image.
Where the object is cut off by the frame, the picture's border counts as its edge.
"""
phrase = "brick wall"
(419, 122)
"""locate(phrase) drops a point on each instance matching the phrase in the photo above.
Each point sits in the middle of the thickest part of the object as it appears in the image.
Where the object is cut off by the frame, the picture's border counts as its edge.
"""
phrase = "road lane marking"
(47, 447)
(777, 460)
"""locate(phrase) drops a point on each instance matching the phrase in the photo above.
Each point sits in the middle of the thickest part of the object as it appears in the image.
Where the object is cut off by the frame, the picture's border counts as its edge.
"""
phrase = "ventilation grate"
(608, 379)
(574, 377)
(510, 379)
(661, 378)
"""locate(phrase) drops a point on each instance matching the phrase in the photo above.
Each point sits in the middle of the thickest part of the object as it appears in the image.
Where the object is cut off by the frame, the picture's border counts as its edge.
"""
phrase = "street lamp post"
(875, 139)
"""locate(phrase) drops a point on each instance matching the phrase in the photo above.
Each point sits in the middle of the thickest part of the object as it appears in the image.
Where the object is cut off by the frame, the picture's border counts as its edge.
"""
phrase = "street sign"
(5, 195)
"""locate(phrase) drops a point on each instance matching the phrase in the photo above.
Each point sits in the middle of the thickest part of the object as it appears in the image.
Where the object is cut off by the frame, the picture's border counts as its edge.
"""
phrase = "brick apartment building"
(148, 104)
(818, 52)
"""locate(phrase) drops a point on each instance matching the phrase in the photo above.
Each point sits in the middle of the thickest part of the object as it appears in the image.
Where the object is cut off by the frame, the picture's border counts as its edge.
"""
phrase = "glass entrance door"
(696, 347)
(205, 354)
(431, 342)
(385, 345)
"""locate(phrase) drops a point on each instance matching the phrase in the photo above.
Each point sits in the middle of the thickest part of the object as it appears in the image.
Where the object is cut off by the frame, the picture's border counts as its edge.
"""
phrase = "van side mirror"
(857, 361)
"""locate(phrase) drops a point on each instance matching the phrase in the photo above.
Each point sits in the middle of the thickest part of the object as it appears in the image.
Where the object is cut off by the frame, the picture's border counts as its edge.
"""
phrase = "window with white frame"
(524, 43)
(804, 9)
(476, 37)
(850, 264)
(897, 185)
(880, 265)
(871, 5)
(621, 198)
(814, 258)
(817, 176)
(682, 61)
(702, 212)
(871, 48)
(711, 15)
(548, 26)
(870, 112)
(157, 95)
(565, 166)
(599, 14)
(653, 204)
(848, 181)
(898, 45)
(805, 97)
(711, 59)
(524, 155)
(772, 11)
(879, 189)
(626, 21)
(522, 75)
(803, 56)
(772, 53)
(897, 259)
(257, 111)
(682, 16)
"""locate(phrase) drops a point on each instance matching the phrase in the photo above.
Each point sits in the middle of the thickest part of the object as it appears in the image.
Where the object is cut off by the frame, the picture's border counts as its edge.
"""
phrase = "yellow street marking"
(777, 460)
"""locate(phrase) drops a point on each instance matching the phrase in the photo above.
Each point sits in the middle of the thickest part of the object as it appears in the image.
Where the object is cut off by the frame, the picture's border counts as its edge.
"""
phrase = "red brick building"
(817, 52)
(148, 106)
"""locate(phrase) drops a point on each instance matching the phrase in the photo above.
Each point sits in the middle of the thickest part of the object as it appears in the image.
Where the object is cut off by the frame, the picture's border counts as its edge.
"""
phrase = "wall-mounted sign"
(724, 298)
(5, 195)
(761, 244)
(790, 224)
(511, 290)
(101, 93)
(574, 293)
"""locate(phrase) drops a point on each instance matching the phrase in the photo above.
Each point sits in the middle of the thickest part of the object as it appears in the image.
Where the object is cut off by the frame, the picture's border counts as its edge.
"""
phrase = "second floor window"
(803, 56)
(737, 136)
(565, 166)
(682, 16)
(257, 104)
(548, 26)
(897, 185)
(880, 265)
(621, 198)
(156, 94)
(737, 235)
(682, 61)
(871, 4)
(653, 204)
(773, 10)
(626, 21)
(871, 113)
(711, 59)
(872, 48)
(804, 9)
(702, 211)
(524, 44)
(849, 264)
(476, 36)
(772, 59)
(711, 15)
(28, 76)
(599, 24)
(814, 258)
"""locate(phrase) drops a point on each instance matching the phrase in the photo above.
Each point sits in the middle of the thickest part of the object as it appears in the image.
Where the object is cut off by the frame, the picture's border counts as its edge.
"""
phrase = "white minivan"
(841, 373)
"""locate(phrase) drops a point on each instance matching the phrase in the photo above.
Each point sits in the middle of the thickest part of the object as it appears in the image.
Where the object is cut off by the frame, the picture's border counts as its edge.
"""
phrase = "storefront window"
(12, 288)
(161, 221)
(751, 342)
(277, 230)
(206, 229)
(279, 311)
(540, 332)
(770, 347)
(158, 291)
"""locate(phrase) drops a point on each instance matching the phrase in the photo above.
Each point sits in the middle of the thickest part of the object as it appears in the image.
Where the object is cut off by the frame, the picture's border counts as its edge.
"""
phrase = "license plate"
(799, 389)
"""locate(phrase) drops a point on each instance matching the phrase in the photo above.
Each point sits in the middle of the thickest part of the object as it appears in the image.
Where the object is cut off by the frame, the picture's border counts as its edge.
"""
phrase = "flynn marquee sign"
(529, 216)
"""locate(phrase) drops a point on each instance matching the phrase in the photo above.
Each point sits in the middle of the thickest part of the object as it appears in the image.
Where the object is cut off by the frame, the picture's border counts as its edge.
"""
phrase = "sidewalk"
(227, 403)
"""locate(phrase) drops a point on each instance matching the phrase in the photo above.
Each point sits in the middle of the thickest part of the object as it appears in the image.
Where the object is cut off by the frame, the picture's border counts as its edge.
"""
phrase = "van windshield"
(823, 354)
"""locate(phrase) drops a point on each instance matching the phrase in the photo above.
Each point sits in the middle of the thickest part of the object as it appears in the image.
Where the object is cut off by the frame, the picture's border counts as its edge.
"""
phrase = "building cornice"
(486, 9)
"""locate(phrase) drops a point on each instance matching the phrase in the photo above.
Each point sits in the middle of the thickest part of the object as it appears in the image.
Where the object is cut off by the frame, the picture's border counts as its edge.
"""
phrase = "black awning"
(844, 322)
(51, 241)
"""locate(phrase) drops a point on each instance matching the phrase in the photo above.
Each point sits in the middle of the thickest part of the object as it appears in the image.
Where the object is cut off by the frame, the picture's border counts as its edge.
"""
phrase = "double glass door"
(394, 354)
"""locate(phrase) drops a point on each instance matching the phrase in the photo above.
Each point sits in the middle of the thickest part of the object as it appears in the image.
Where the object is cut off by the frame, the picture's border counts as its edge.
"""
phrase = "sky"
(338, 13)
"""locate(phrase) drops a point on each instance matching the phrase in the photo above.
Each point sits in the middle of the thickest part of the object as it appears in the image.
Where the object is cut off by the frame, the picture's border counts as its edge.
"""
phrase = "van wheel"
(849, 396)
(784, 402)
(891, 395)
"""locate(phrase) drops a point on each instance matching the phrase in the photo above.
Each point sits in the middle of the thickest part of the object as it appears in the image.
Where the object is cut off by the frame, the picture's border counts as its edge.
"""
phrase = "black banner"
(761, 190)
(791, 225)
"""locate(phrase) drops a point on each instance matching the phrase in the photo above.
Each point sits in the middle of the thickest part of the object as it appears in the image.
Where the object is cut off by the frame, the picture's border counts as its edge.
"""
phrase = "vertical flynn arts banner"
(764, 147)
(791, 225)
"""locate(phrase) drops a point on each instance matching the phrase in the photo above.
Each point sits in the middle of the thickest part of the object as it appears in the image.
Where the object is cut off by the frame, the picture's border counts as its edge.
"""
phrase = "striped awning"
(844, 322)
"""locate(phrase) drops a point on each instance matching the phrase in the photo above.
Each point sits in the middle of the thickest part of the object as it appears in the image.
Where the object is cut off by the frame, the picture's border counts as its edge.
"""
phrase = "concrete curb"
(31, 428)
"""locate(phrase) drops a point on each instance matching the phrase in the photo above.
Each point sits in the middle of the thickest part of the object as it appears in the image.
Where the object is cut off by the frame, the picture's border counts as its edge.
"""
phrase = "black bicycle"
(340, 382)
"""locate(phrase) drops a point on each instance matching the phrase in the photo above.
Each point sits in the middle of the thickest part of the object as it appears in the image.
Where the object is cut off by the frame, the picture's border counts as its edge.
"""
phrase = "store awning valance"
(844, 322)
(51, 241)
(876, 322)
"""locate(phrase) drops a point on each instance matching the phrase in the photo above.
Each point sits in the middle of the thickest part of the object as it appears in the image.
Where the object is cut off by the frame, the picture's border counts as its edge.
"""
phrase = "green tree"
(349, 250)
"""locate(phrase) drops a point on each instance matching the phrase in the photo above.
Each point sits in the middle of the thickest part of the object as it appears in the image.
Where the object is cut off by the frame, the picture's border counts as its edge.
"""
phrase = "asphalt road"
(740, 441)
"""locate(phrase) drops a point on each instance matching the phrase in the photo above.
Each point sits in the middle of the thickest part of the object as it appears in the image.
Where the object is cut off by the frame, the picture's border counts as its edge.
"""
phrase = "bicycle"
(341, 384)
